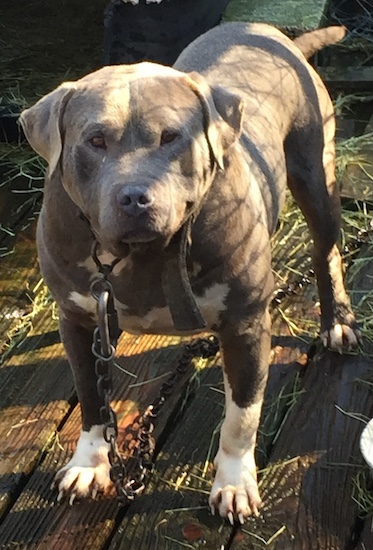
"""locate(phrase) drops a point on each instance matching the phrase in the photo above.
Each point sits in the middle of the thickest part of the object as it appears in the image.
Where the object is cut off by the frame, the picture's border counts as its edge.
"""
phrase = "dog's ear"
(223, 115)
(41, 124)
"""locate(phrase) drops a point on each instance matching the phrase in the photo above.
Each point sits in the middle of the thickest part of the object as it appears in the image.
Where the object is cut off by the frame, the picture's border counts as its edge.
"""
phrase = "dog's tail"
(310, 42)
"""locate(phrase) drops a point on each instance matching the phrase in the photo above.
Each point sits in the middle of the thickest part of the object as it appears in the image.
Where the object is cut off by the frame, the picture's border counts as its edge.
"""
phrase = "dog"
(195, 157)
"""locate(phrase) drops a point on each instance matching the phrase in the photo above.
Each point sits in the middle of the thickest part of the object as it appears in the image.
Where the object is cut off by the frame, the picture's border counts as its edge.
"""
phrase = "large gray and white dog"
(141, 150)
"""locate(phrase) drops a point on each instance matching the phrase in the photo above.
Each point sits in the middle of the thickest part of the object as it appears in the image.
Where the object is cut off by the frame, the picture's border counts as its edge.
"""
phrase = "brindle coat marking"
(136, 149)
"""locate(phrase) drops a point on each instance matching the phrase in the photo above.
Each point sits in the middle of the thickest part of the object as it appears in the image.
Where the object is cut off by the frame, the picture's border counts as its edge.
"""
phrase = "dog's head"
(135, 147)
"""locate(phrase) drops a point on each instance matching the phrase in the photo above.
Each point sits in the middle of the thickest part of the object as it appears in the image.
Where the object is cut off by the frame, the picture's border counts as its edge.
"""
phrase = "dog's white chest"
(159, 320)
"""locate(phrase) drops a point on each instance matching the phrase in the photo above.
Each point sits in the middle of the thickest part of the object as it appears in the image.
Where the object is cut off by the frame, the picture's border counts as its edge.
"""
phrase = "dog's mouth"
(139, 236)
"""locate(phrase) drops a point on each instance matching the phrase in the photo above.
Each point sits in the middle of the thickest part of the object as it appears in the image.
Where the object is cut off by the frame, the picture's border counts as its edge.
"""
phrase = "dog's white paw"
(341, 336)
(88, 472)
(235, 491)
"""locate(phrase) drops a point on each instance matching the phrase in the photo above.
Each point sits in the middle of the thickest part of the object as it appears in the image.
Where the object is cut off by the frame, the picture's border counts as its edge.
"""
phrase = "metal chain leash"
(350, 247)
(128, 476)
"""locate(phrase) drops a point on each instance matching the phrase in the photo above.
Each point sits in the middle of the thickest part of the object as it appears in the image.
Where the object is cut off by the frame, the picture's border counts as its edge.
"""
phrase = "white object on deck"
(366, 444)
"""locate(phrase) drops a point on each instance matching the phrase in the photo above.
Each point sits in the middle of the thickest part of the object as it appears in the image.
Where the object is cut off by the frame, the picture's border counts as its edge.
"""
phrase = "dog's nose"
(135, 200)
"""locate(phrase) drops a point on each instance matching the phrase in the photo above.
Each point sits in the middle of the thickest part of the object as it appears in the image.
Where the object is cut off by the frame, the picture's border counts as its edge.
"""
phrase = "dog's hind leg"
(310, 157)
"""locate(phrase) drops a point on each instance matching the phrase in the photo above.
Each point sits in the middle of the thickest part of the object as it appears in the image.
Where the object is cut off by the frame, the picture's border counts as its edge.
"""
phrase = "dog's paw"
(235, 491)
(88, 472)
(341, 336)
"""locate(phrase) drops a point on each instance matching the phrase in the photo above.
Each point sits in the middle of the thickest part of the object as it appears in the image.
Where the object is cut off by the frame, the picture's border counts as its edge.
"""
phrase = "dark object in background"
(156, 32)
(10, 130)
(355, 15)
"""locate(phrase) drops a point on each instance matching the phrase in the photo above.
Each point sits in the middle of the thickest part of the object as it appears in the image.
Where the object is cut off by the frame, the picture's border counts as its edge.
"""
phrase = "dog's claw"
(72, 498)
(255, 510)
(60, 496)
(230, 517)
(241, 519)
(212, 508)
(94, 493)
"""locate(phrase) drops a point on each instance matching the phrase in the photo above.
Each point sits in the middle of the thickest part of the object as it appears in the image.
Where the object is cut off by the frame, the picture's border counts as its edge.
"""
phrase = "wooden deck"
(316, 405)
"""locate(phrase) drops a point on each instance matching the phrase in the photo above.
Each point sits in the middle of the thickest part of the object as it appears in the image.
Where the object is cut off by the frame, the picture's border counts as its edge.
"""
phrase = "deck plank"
(349, 79)
(35, 521)
(35, 392)
(360, 283)
(365, 538)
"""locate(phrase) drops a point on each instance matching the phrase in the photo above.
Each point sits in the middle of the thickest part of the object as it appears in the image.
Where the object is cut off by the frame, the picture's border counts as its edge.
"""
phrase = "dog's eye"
(168, 136)
(98, 142)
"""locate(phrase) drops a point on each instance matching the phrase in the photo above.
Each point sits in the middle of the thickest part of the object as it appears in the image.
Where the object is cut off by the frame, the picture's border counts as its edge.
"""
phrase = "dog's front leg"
(88, 472)
(245, 357)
